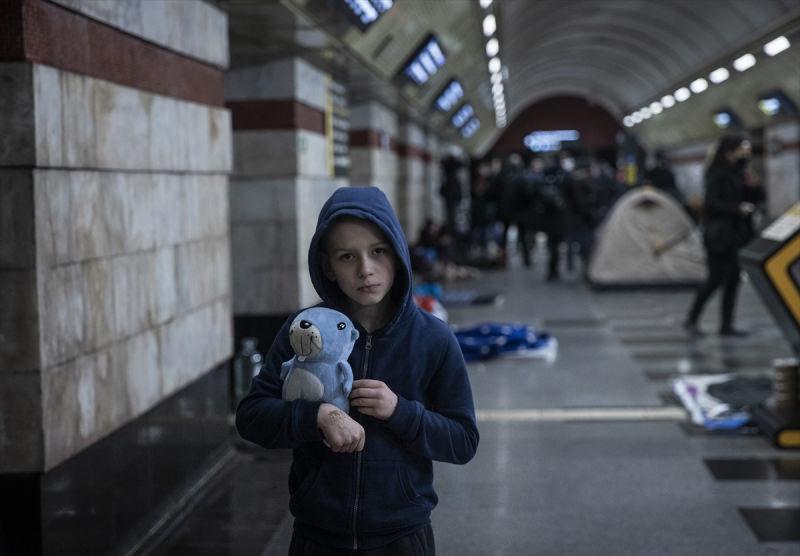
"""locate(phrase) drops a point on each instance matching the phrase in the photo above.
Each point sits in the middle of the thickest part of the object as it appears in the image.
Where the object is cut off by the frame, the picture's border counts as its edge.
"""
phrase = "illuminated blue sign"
(470, 128)
(367, 12)
(451, 94)
(547, 141)
(464, 113)
(425, 62)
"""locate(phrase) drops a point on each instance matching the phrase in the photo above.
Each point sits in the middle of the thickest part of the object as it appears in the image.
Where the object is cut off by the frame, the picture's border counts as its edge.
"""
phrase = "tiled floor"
(597, 486)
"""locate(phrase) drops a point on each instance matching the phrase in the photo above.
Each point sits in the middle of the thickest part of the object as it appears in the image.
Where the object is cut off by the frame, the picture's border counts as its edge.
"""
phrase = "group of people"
(561, 196)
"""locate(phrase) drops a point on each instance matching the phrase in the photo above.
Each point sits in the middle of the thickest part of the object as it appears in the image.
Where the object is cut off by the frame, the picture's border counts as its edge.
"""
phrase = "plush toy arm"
(345, 373)
(286, 366)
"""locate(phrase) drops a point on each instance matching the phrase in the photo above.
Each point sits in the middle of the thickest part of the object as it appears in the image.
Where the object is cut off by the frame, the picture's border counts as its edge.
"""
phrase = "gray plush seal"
(322, 340)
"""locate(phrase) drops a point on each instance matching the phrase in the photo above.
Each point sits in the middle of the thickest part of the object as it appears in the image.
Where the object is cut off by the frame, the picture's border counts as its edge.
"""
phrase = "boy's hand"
(373, 398)
(341, 432)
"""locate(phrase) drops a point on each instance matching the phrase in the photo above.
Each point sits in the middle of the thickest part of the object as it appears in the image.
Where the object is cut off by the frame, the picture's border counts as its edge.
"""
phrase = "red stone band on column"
(275, 114)
(411, 151)
(43, 33)
(371, 139)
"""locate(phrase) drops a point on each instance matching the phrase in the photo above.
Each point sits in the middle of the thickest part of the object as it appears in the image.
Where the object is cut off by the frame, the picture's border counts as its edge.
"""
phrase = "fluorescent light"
(722, 120)
(719, 75)
(636, 117)
(745, 62)
(496, 78)
(492, 48)
(495, 65)
(486, 3)
(668, 101)
(646, 113)
(698, 85)
(776, 46)
(682, 94)
(769, 106)
(628, 121)
(656, 108)
(489, 25)
(497, 88)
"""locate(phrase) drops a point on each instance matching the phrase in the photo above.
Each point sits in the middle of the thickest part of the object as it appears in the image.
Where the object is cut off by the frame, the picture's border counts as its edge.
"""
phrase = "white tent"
(647, 240)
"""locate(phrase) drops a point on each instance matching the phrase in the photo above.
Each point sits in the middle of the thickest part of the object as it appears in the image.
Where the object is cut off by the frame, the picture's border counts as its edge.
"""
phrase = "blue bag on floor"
(489, 340)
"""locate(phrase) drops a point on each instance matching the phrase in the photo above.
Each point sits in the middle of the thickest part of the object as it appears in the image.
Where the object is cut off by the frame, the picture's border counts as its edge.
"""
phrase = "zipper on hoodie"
(367, 349)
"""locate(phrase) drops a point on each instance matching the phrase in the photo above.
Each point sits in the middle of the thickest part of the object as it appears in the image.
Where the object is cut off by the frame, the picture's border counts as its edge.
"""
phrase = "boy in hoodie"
(368, 488)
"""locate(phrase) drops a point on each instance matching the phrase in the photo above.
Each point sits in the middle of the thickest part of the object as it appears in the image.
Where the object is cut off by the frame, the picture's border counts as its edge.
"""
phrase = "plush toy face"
(320, 333)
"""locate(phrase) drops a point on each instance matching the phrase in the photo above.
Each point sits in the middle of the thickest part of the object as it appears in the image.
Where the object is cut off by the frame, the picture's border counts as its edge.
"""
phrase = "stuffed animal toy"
(322, 340)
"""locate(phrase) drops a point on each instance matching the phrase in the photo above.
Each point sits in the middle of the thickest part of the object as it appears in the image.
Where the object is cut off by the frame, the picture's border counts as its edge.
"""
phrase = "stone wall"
(113, 163)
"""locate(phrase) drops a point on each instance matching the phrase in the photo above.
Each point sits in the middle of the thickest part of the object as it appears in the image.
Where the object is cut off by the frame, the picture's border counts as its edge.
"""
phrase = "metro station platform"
(587, 455)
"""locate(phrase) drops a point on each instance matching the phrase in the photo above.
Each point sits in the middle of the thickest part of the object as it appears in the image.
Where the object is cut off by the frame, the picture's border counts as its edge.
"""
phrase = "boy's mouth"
(372, 288)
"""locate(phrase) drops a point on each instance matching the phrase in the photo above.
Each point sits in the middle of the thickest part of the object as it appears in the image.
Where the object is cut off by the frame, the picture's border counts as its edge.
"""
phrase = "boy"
(370, 489)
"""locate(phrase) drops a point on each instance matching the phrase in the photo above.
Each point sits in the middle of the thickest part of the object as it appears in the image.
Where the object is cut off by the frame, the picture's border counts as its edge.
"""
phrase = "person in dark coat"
(450, 190)
(514, 205)
(730, 201)
(551, 215)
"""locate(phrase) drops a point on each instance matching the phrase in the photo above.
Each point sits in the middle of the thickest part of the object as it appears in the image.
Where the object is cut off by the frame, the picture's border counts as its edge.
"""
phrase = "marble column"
(373, 148)
(411, 182)
(114, 237)
(283, 173)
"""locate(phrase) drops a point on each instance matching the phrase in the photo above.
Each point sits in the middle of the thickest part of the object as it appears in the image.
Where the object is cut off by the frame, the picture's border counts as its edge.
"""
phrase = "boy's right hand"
(341, 432)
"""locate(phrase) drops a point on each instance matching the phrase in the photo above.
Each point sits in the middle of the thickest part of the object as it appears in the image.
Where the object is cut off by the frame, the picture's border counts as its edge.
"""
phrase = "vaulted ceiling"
(619, 54)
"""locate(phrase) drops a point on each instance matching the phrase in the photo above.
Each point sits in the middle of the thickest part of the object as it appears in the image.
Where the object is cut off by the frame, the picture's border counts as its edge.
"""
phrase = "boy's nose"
(364, 269)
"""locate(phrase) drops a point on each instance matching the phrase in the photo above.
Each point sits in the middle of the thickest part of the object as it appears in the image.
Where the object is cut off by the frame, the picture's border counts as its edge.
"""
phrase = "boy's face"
(360, 260)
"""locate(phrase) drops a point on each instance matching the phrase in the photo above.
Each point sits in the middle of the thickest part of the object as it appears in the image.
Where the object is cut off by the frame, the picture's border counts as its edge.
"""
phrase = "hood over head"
(370, 204)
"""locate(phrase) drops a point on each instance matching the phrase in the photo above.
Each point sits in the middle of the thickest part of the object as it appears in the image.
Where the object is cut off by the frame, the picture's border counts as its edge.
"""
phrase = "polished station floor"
(586, 455)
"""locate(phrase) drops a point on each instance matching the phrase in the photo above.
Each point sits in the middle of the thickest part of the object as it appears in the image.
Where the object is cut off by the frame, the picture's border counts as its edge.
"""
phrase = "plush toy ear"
(354, 335)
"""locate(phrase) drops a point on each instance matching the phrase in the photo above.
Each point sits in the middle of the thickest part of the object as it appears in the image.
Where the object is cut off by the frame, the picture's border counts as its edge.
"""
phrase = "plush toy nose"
(305, 324)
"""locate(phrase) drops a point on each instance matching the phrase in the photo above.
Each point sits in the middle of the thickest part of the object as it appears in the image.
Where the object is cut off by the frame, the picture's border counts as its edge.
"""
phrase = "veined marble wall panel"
(84, 214)
(193, 343)
(311, 196)
(195, 28)
(373, 115)
(92, 304)
(95, 393)
(264, 153)
(265, 291)
(374, 166)
(17, 139)
(413, 188)
(90, 123)
(21, 422)
(782, 167)
(290, 78)
(433, 205)
(259, 200)
(279, 153)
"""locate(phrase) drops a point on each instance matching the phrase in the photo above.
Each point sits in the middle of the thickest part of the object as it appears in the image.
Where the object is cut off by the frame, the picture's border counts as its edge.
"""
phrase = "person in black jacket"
(363, 483)
(727, 226)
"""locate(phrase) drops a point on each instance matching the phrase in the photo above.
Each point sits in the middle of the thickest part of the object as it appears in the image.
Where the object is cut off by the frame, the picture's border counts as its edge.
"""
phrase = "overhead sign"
(548, 141)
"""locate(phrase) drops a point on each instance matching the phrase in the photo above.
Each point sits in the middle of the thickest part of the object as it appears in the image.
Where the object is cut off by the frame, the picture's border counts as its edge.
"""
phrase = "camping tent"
(647, 239)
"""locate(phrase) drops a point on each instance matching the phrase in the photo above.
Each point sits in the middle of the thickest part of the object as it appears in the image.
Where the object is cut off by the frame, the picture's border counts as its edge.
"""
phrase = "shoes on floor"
(733, 333)
(693, 330)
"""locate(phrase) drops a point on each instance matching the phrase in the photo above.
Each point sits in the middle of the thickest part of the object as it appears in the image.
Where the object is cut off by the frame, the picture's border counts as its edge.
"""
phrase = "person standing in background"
(730, 201)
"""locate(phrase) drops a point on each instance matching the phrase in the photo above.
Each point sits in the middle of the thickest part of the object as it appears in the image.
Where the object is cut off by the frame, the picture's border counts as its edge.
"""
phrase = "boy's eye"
(380, 250)
(345, 257)
(341, 326)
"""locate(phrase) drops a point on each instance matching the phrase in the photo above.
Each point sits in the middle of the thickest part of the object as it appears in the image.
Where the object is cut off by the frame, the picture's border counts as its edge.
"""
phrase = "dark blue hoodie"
(370, 498)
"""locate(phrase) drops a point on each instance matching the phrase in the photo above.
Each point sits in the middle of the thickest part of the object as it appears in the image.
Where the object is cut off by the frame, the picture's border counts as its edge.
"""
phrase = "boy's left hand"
(373, 398)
